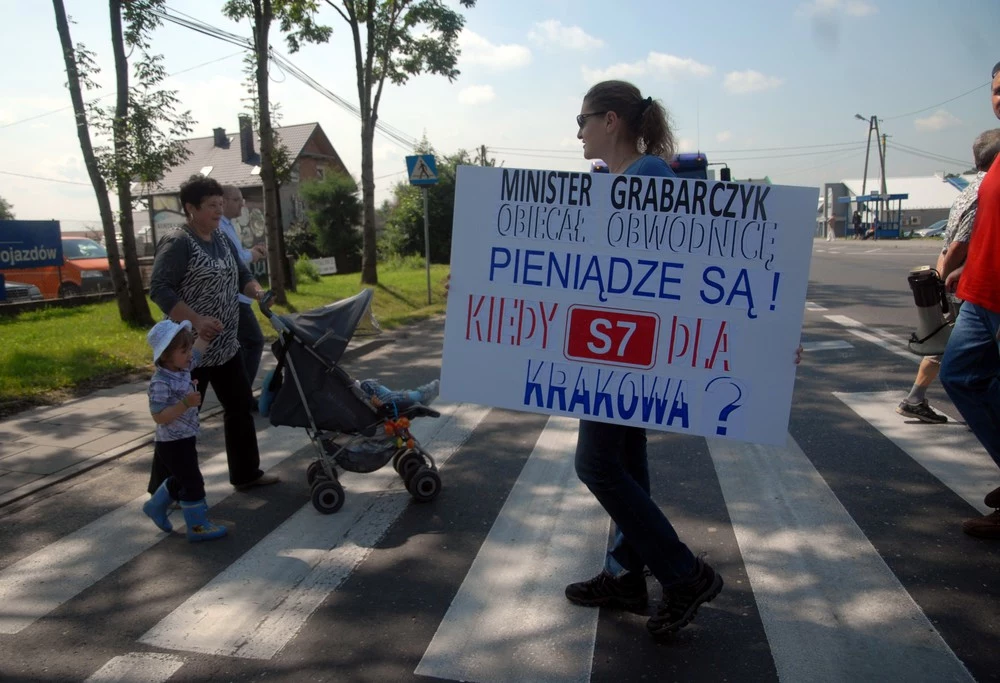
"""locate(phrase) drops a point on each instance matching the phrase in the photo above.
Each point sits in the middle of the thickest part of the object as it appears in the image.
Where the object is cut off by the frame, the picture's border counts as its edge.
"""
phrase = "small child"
(173, 402)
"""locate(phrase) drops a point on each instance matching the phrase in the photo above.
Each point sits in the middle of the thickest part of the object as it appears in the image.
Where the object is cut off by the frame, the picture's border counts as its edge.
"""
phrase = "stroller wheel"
(314, 472)
(327, 496)
(408, 464)
(424, 485)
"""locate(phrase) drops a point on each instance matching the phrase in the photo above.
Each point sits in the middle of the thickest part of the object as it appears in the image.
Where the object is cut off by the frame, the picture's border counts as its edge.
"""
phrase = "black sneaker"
(992, 498)
(604, 590)
(921, 411)
(680, 603)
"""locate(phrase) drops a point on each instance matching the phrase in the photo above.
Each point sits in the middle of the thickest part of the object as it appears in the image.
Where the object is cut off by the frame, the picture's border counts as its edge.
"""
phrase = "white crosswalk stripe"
(832, 609)
(138, 667)
(830, 606)
(260, 602)
(510, 621)
(951, 453)
(38, 584)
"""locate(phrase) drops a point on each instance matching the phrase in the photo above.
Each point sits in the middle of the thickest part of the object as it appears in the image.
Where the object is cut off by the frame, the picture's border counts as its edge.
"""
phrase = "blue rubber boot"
(157, 508)
(199, 528)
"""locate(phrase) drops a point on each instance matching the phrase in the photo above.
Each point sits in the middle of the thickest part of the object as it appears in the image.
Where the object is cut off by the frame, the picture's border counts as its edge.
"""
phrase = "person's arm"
(953, 258)
(163, 412)
(951, 282)
(169, 268)
(229, 230)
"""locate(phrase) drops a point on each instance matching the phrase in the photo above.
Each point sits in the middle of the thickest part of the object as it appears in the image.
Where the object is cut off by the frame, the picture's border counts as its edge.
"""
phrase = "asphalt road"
(842, 551)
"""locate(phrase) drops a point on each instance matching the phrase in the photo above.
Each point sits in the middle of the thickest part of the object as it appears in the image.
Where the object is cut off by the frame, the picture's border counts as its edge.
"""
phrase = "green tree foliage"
(6, 210)
(394, 40)
(404, 228)
(296, 20)
(334, 212)
(142, 128)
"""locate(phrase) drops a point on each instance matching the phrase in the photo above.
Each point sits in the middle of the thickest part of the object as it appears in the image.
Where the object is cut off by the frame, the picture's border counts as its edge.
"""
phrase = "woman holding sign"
(633, 137)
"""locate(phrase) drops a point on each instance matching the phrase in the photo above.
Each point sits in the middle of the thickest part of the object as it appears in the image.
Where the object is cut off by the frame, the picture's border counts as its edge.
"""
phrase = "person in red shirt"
(970, 368)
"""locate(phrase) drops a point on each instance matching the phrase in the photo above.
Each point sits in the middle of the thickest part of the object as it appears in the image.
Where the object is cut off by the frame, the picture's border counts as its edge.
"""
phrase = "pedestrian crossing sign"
(422, 169)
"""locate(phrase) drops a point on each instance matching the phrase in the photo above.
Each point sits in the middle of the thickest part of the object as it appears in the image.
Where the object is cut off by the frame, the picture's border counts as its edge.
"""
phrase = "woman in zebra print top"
(197, 276)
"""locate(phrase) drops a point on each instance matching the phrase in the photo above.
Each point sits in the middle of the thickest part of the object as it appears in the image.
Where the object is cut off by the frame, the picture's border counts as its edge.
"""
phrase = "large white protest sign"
(656, 302)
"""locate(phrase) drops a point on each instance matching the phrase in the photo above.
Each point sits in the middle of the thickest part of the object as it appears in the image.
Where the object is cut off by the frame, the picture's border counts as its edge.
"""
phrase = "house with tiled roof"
(234, 159)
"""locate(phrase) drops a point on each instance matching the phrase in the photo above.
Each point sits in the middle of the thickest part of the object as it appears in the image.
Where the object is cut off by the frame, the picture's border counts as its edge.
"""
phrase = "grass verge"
(52, 354)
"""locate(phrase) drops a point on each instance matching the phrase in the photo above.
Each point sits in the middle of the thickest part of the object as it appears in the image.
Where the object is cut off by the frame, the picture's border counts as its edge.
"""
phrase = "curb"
(49, 480)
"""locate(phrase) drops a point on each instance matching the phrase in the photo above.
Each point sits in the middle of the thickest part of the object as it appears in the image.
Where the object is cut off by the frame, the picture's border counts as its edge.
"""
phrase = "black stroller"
(350, 430)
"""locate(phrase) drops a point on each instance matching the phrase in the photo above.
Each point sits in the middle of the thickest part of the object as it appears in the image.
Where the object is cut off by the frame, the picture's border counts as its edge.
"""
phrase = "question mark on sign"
(729, 408)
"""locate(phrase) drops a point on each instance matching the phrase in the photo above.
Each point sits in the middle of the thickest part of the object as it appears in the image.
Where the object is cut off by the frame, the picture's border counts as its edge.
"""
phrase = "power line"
(393, 134)
(716, 151)
(176, 73)
(921, 111)
(929, 155)
(51, 180)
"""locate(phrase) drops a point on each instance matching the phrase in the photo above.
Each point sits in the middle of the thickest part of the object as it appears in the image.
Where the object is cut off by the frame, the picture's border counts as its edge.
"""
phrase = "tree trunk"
(100, 188)
(263, 15)
(139, 309)
(369, 270)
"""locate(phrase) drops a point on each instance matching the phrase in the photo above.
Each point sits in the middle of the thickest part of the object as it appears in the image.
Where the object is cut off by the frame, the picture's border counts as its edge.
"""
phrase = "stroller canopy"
(327, 330)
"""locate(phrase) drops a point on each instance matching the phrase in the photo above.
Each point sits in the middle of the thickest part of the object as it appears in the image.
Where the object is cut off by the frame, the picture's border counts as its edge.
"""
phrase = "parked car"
(935, 229)
(84, 271)
(20, 291)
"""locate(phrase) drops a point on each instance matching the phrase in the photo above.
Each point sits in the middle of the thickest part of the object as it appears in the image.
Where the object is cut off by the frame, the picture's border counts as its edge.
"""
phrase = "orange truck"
(84, 271)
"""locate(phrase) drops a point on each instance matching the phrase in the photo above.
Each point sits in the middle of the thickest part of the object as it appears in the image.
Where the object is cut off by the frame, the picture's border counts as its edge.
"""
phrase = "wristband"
(184, 402)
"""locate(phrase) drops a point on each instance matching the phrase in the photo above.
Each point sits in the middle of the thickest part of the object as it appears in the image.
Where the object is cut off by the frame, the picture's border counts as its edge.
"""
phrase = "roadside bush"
(305, 271)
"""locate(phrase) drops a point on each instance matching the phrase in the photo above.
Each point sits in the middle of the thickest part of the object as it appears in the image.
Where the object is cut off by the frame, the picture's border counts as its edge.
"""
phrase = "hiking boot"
(992, 498)
(680, 602)
(987, 526)
(921, 411)
(627, 592)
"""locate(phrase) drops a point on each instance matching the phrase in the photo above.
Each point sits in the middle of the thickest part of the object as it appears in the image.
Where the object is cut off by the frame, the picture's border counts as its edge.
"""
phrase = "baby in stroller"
(358, 426)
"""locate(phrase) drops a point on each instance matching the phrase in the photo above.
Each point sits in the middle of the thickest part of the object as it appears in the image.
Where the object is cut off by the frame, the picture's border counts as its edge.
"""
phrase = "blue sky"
(771, 88)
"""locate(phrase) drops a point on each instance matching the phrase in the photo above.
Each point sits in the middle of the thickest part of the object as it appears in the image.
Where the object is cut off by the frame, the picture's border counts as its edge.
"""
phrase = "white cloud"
(822, 8)
(552, 32)
(744, 82)
(724, 136)
(478, 50)
(477, 94)
(676, 67)
(659, 64)
(939, 120)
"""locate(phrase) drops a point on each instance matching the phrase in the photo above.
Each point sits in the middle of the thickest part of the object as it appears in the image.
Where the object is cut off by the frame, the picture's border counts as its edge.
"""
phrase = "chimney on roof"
(220, 137)
(247, 152)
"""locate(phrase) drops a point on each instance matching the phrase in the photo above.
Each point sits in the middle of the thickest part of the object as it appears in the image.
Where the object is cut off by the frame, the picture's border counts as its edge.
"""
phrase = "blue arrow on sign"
(422, 169)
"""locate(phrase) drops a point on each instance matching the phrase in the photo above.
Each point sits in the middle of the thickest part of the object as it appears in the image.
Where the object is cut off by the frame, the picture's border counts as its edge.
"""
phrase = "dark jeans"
(230, 383)
(611, 461)
(970, 373)
(251, 341)
(180, 458)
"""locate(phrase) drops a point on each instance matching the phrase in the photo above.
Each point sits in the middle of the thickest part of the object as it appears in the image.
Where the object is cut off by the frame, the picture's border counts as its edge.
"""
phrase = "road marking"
(510, 620)
(41, 582)
(260, 602)
(948, 451)
(827, 345)
(812, 306)
(831, 608)
(858, 330)
(148, 667)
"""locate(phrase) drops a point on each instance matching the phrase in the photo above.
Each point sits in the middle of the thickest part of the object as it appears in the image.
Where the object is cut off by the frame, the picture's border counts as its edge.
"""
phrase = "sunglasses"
(581, 119)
